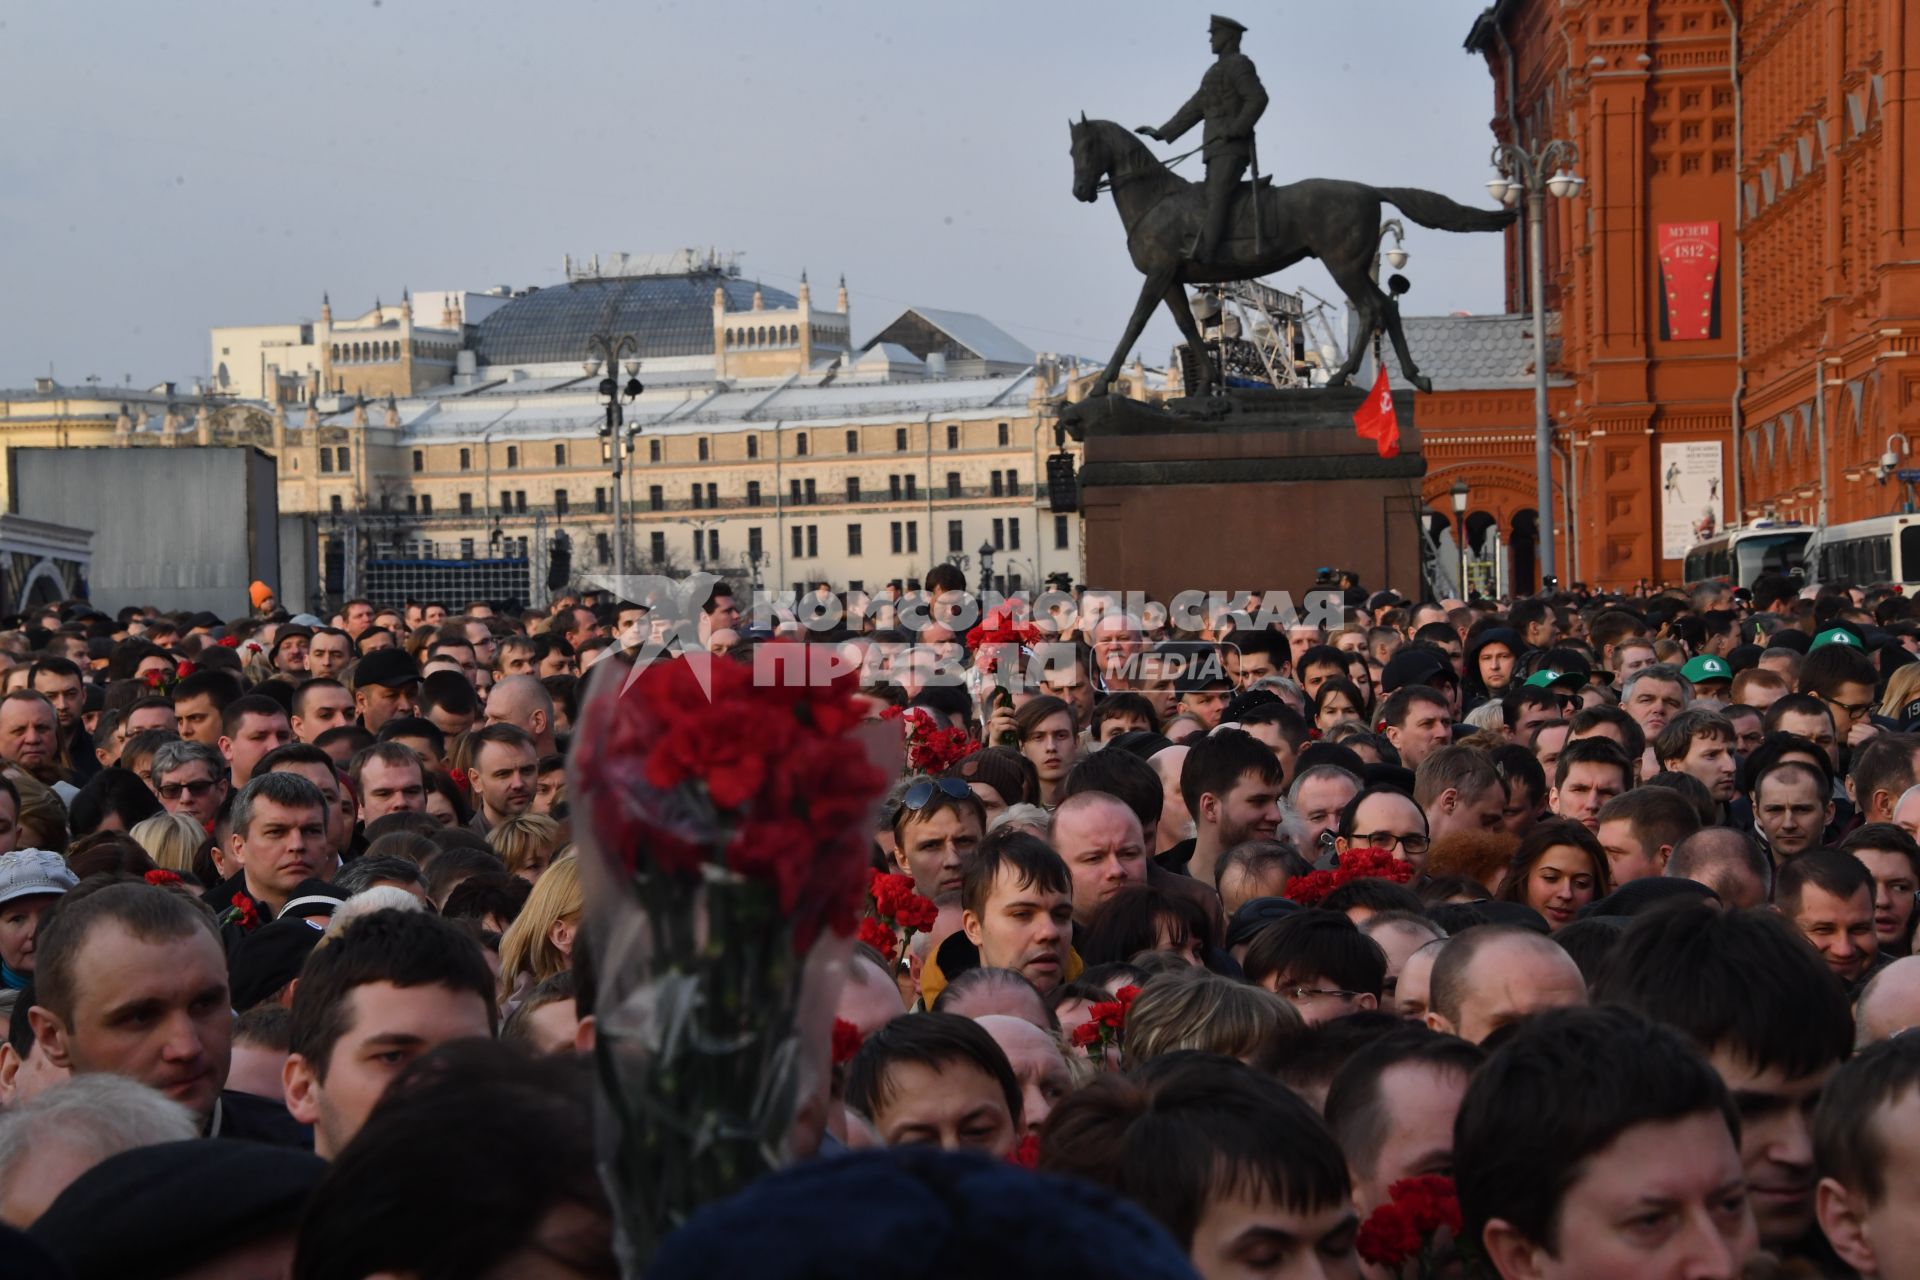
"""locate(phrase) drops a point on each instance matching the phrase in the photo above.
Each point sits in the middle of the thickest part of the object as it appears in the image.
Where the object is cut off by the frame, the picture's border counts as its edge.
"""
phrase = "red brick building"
(1747, 225)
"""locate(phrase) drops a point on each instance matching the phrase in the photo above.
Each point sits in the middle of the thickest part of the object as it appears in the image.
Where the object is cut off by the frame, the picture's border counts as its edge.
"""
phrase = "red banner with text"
(1689, 280)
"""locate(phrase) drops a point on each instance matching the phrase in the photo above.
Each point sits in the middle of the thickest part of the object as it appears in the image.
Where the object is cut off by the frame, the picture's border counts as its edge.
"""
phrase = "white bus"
(1740, 555)
(1867, 552)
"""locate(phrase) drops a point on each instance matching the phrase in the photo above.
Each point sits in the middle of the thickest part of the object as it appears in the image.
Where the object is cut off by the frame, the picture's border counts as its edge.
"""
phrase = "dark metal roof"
(667, 315)
(1494, 16)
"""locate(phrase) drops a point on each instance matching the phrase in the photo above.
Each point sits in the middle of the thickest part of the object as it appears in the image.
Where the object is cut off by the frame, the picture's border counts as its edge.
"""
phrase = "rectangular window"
(713, 544)
(696, 497)
(1013, 534)
(900, 439)
(603, 547)
(413, 504)
(520, 501)
(653, 451)
(996, 484)
(953, 484)
(913, 488)
(1006, 435)
(466, 459)
(326, 461)
(893, 487)
(657, 544)
(700, 546)
(656, 497)
(799, 542)
(513, 455)
(800, 444)
(853, 442)
(753, 493)
(853, 488)
(856, 585)
(793, 492)
(956, 537)
(560, 502)
(713, 495)
(853, 540)
(560, 455)
(466, 548)
(1059, 533)
(999, 535)
(812, 497)
(754, 546)
(466, 504)
(600, 500)
(1013, 483)
(813, 540)
(345, 459)
(419, 460)
(426, 504)
(897, 543)
(705, 449)
(913, 537)
(953, 437)
(753, 446)
(334, 502)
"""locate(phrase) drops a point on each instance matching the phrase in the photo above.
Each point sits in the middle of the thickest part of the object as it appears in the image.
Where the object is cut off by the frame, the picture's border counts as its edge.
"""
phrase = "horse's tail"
(1431, 209)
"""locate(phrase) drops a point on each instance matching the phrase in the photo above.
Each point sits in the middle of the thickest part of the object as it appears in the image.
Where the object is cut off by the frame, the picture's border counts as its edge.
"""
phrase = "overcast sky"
(167, 167)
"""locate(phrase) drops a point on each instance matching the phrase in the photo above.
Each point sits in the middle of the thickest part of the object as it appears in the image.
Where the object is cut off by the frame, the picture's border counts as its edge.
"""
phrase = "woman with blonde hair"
(528, 844)
(539, 942)
(172, 840)
(1199, 1009)
(1903, 686)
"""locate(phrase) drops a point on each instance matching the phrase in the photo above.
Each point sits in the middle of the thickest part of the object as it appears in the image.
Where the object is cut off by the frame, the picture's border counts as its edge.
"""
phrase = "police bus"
(1885, 549)
(1740, 555)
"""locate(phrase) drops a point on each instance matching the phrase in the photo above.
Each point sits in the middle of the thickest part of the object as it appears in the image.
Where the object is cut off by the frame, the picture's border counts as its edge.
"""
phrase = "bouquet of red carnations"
(1355, 864)
(895, 912)
(1405, 1234)
(1105, 1025)
(723, 812)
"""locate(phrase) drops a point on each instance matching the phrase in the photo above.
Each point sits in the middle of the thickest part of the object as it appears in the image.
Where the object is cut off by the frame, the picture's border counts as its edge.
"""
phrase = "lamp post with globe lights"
(615, 437)
(1536, 175)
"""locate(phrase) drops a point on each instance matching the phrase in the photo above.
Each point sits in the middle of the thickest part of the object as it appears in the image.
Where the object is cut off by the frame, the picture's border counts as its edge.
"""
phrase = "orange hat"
(259, 593)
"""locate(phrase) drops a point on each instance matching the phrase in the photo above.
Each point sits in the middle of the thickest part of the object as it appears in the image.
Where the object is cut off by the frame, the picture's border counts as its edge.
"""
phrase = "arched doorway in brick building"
(1522, 541)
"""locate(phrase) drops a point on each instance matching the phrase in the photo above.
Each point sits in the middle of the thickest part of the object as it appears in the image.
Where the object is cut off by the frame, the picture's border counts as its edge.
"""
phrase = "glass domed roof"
(667, 315)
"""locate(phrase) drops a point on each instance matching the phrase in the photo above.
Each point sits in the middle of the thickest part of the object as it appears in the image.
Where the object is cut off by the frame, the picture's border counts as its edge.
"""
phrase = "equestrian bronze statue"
(1181, 233)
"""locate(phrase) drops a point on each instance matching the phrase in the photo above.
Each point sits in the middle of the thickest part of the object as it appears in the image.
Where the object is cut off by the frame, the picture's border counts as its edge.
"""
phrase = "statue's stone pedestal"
(1255, 489)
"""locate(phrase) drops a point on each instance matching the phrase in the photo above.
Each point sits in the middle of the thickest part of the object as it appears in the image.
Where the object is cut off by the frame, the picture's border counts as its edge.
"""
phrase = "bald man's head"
(523, 702)
(1492, 975)
(1889, 1004)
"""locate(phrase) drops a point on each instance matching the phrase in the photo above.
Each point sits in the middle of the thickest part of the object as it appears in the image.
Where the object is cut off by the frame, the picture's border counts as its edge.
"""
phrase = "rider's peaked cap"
(1229, 24)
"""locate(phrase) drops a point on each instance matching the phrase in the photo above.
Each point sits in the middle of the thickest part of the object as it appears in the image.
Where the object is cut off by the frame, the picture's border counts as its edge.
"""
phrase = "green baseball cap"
(1706, 668)
(1835, 635)
(1547, 677)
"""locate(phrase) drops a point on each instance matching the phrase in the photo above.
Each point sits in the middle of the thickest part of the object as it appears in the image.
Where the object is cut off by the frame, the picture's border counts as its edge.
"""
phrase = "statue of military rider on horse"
(1181, 233)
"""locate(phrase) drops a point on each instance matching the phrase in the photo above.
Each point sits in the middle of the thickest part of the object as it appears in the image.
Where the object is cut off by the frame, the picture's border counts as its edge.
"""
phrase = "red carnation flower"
(879, 937)
(230, 642)
(846, 1041)
(1027, 1154)
(1355, 864)
(161, 876)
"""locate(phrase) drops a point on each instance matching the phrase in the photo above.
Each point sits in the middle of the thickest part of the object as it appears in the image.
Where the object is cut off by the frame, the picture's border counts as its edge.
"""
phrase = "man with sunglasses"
(939, 822)
(190, 778)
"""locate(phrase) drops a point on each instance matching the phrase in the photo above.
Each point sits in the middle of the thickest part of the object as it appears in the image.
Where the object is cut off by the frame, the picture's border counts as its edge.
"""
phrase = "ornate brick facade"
(1785, 183)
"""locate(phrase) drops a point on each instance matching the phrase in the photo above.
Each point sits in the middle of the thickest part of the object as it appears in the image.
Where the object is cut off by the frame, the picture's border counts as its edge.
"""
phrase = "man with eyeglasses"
(939, 822)
(1383, 818)
(190, 778)
(1319, 962)
(1839, 674)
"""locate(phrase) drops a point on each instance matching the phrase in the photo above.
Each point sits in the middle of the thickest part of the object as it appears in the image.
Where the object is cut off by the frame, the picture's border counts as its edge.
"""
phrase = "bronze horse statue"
(1326, 218)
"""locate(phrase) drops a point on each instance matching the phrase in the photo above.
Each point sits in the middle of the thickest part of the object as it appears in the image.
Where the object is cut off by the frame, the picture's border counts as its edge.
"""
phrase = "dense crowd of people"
(1243, 934)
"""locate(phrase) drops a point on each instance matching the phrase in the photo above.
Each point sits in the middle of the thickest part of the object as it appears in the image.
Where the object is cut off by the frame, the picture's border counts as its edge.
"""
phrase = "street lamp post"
(986, 569)
(614, 440)
(1459, 494)
(1536, 175)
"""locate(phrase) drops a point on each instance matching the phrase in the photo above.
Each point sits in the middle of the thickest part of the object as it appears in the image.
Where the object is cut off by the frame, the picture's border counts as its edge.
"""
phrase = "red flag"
(1376, 419)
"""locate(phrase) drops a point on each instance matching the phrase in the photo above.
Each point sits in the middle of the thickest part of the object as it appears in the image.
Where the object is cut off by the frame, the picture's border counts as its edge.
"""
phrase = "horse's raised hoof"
(1422, 383)
(1337, 380)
